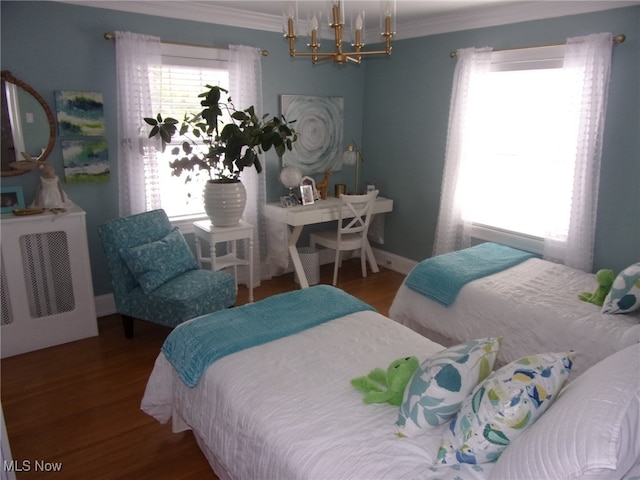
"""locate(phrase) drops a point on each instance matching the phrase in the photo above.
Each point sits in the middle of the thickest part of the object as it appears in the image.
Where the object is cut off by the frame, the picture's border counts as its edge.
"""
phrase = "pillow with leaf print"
(624, 296)
(503, 406)
(442, 382)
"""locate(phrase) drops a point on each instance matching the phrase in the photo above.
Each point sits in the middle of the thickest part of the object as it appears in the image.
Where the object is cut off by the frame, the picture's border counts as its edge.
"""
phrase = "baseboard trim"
(394, 262)
(105, 305)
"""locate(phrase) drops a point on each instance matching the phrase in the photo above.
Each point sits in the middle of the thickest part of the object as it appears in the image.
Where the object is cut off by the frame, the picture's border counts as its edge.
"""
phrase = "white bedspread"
(286, 409)
(534, 306)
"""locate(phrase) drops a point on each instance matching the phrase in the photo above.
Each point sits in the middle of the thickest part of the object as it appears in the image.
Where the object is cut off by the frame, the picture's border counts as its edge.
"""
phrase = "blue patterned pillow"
(437, 389)
(624, 296)
(153, 264)
(503, 406)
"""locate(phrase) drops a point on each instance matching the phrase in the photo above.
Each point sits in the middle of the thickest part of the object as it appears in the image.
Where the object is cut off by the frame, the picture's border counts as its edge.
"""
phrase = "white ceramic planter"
(224, 202)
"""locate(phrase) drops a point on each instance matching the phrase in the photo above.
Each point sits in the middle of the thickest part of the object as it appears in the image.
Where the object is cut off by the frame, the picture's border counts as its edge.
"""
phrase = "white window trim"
(176, 54)
(528, 58)
(517, 240)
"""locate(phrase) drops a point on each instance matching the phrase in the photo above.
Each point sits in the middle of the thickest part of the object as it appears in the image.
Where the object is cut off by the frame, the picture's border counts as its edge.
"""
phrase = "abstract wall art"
(319, 124)
(80, 114)
(85, 161)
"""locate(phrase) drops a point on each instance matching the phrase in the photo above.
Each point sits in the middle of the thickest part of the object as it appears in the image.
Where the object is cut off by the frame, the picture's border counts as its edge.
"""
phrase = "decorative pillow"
(499, 409)
(624, 296)
(591, 431)
(153, 264)
(437, 389)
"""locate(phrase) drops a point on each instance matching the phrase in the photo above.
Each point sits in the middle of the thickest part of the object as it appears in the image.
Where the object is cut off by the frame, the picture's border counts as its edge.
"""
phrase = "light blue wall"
(396, 108)
(405, 126)
(54, 46)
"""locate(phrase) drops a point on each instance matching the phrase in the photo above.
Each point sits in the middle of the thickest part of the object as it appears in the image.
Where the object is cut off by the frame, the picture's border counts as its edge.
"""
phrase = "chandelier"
(336, 21)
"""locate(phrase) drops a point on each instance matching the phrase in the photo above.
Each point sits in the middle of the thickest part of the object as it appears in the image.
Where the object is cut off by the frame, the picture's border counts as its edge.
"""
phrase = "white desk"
(204, 230)
(321, 211)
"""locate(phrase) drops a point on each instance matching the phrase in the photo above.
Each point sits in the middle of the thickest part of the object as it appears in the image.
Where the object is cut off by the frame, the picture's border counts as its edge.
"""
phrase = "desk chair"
(154, 274)
(351, 234)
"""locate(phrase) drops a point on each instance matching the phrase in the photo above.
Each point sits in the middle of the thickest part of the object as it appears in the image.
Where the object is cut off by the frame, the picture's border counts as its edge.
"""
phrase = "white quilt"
(534, 306)
(286, 409)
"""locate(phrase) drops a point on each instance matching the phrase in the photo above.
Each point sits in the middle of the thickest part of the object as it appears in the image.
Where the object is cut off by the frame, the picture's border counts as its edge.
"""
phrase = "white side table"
(204, 230)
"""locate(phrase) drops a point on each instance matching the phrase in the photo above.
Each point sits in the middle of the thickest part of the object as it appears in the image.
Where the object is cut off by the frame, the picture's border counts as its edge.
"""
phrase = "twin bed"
(533, 304)
(283, 408)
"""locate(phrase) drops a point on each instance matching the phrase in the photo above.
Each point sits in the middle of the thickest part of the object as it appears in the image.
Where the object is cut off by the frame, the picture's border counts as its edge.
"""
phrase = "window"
(524, 149)
(522, 132)
(186, 71)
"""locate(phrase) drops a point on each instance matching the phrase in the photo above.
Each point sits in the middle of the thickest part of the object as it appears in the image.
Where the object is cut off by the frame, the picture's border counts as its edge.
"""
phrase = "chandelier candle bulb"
(337, 14)
(357, 27)
(290, 17)
(388, 18)
(314, 26)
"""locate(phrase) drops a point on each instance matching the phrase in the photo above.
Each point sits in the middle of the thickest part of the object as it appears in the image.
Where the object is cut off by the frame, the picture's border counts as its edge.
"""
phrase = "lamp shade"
(290, 176)
(349, 157)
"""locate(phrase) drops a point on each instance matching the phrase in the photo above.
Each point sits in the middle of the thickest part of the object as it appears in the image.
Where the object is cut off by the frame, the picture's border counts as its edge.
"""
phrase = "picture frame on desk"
(11, 198)
(306, 193)
(306, 180)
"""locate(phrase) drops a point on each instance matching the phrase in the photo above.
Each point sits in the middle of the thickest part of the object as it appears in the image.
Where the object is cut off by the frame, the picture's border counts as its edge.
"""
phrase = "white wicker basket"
(310, 258)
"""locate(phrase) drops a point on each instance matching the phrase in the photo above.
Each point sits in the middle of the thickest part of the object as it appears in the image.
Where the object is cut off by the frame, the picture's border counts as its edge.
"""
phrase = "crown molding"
(488, 16)
(502, 15)
(195, 11)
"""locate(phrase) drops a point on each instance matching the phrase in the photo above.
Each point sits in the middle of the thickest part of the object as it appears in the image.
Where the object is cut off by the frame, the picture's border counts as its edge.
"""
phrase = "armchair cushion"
(194, 293)
(149, 272)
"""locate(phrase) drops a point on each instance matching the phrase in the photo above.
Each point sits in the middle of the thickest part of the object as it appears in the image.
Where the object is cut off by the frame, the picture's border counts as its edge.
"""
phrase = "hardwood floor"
(78, 404)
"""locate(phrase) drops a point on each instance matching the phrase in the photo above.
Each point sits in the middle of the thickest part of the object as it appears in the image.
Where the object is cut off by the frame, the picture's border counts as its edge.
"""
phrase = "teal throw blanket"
(195, 345)
(440, 278)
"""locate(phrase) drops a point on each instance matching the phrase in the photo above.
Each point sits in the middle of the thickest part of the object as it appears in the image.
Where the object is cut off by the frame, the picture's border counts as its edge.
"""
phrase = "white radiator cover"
(46, 289)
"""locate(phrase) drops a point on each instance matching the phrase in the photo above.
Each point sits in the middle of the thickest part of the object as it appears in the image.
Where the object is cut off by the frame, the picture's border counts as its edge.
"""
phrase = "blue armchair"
(154, 274)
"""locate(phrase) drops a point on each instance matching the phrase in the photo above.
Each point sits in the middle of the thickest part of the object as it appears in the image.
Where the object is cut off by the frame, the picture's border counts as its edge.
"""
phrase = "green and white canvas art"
(80, 114)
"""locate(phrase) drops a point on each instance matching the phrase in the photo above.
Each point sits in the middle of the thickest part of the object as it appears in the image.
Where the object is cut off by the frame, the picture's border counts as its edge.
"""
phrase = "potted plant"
(222, 150)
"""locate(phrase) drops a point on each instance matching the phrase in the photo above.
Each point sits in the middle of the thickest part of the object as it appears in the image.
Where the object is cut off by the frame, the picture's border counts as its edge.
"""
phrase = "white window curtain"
(138, 63)
(590, 58)
(245, 89)
(570, 244)
(453, 231)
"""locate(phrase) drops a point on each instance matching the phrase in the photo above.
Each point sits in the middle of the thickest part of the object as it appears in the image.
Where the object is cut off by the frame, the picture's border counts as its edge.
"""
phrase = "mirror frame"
(8, 77)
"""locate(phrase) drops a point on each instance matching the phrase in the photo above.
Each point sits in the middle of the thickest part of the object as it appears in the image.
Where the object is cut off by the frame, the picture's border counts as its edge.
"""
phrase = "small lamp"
(353, 156)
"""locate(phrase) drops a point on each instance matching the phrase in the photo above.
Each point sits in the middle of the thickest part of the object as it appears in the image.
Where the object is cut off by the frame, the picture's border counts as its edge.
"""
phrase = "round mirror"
(28, 126)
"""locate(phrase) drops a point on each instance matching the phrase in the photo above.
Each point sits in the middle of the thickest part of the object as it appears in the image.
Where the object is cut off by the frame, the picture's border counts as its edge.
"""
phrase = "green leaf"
(165, 135)
(485, 369)
(240, 116)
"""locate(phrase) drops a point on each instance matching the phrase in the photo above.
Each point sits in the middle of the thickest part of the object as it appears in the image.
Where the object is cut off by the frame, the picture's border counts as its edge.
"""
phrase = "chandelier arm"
(334, 54)
(314, 54)
(370, 52)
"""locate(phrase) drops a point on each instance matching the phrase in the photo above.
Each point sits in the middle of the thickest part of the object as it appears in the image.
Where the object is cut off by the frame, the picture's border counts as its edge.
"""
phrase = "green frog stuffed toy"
(380, 386)
(605, 279)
